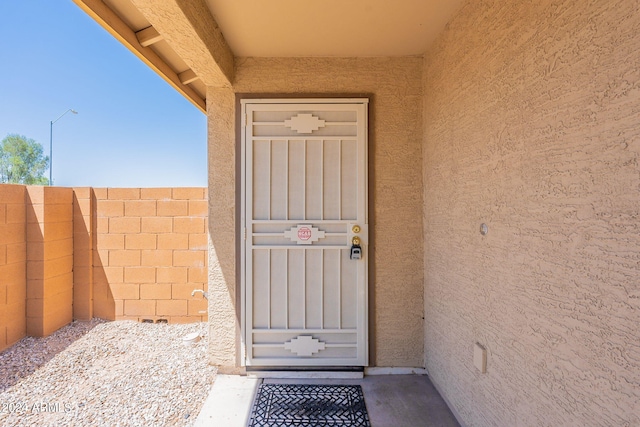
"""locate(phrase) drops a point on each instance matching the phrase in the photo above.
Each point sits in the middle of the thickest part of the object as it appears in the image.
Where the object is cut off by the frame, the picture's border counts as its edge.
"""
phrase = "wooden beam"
(187, 77)
(192, 32)
(148, 36)
(111, 22)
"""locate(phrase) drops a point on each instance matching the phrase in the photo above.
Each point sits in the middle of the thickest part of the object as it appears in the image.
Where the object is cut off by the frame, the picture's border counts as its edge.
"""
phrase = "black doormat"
(309, 405)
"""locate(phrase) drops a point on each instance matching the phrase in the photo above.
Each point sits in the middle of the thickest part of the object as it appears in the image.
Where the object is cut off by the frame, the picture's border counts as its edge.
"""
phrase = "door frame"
(241, 101)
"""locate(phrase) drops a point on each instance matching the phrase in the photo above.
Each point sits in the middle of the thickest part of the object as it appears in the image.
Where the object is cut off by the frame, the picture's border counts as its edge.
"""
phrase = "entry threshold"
(329, 372)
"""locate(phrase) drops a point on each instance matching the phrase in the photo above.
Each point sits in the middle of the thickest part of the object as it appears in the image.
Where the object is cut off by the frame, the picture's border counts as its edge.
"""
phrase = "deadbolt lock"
(355, 229)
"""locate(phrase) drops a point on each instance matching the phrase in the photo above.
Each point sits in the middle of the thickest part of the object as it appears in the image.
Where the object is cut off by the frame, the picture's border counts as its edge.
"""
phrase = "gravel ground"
(103, 373)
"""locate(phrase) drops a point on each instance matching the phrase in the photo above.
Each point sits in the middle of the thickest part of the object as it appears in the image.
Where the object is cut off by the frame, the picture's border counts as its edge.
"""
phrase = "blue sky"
(132, 129)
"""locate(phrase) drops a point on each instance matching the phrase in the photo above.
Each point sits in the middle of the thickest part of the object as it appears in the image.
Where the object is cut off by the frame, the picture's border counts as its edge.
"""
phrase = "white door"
(304, 200)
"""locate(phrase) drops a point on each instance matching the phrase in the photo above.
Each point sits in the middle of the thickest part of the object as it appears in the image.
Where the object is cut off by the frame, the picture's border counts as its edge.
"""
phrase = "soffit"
(136, 21)
(125, 22)
(345, 28)
(274, 28)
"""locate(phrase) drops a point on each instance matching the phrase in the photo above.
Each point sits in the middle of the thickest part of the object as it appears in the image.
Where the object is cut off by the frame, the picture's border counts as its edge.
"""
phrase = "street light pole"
(51, 143)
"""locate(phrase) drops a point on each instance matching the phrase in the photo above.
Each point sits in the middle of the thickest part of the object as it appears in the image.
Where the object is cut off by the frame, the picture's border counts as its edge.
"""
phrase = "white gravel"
(102, 373)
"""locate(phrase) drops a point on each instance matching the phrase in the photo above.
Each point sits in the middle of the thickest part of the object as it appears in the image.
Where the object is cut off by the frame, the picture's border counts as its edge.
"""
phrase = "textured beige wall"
(395, 158)
(224, 315)
(532, 126)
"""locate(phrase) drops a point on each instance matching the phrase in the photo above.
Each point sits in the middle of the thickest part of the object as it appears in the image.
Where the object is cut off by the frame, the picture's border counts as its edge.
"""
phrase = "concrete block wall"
(115, 253)
(83, 248)
(150, 253)
(49, 212)
(13, 262)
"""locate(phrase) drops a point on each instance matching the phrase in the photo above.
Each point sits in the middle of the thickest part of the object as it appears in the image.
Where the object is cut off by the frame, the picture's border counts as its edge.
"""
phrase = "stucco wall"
(531, 126)
(224, 314)
(395, 183)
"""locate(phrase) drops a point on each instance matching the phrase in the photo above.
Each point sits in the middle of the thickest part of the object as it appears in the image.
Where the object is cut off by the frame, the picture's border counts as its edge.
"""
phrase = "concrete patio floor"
(392, 400)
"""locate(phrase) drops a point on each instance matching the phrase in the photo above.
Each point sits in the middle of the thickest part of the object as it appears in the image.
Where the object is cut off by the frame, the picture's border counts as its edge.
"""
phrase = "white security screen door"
(304, 201)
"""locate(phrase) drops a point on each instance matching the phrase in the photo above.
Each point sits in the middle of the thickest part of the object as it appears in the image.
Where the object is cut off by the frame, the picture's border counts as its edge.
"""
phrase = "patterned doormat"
(309, 405)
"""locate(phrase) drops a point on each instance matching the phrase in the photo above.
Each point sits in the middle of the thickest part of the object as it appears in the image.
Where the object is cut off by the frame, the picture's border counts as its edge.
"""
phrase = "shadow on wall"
(92, 295)
(149, 253)
(34, 267)
(13, 264)
(113, 253)
(104, 305)
(49, 273)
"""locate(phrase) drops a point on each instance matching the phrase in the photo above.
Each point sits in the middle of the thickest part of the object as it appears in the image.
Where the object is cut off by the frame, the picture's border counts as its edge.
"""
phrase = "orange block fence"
(13, 264)
(114, 253)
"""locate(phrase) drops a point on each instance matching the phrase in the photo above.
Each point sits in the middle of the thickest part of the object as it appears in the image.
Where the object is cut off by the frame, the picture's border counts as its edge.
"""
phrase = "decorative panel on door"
(304, 200)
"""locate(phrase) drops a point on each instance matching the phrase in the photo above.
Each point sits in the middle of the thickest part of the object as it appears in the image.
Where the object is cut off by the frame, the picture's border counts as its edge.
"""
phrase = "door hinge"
(244, 233)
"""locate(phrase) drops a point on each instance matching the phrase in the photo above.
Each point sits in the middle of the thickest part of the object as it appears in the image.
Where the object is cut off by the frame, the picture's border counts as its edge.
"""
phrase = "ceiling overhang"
(192, 44)
(178, 39)
(331, 28)
(191, 31)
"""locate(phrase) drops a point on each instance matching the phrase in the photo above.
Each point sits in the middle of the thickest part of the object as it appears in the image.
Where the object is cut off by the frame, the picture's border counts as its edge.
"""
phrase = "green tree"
(22, 162)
